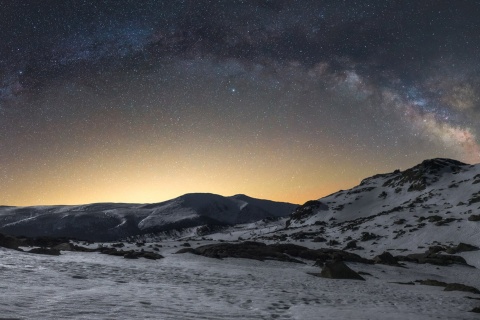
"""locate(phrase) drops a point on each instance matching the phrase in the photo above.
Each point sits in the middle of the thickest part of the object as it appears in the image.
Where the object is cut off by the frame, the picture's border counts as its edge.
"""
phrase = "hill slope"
(436, 202)
(111, 221)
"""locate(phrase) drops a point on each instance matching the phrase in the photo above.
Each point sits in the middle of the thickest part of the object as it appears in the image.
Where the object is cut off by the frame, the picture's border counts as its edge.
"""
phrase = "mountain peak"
(440, 163)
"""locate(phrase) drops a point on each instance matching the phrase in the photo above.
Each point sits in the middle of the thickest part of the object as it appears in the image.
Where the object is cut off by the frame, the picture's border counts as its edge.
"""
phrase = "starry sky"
(289, 100)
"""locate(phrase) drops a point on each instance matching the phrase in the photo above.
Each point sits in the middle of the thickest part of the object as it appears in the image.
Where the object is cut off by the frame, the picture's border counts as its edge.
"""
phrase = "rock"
(474, 217)
(435, 218)
(186, 250)
(319, 239)
(306, 210)
(476, 310)
(386, 258)
(130, 255)
(435, 249)
(9, 242)
(280, 252)
(186, 244)
(461, 287)
(366, 236)
(435, 259)
(118, 245)
(351, 245)
(247, 250)
(151, 255)
(66, 246)
(430, 282)
(463, 247)
(51, 252)
(333, 242)
(339, 270)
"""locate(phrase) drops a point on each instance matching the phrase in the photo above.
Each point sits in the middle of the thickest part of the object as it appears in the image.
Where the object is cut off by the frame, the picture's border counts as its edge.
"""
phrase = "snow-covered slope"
(111, 221)
(435, 202)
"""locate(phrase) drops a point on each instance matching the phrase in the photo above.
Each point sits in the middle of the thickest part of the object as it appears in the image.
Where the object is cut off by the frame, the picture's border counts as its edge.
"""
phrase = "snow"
(184, 286)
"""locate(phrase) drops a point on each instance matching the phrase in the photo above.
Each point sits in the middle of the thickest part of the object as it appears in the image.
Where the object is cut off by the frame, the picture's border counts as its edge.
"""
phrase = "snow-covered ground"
(184, 286)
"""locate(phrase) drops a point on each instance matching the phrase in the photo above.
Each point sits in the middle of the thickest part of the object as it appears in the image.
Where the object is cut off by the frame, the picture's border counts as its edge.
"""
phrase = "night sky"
(143, 101)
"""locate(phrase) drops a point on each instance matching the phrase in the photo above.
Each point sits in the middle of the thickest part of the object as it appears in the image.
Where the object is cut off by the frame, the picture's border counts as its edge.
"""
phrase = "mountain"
(436, 202)
(112, 221)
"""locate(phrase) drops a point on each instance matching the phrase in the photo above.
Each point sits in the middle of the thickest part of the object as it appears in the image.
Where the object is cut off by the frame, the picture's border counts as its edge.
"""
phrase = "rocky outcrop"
(386, 258)
(306, 210)
(339, 270)
(449, 286)
(47, 251)
(10, 242)
(246, 250)
(130, 254)
(281, 252)
(433, 258)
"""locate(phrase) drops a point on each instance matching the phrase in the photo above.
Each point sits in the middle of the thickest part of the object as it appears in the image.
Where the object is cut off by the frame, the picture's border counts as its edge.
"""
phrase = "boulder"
(474, 217)
(351, 245)
(339, 270)
(386, 258)
(463, 247)
(319, 239)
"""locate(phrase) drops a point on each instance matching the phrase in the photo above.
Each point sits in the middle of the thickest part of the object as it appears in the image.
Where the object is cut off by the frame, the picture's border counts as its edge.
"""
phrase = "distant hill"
(112, 221)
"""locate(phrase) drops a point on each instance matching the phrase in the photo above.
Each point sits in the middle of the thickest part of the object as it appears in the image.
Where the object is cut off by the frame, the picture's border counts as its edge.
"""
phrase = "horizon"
(133, 102)
(223, 195)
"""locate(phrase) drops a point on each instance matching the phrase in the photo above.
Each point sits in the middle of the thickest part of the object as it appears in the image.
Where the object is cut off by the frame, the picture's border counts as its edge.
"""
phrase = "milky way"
(141, 101)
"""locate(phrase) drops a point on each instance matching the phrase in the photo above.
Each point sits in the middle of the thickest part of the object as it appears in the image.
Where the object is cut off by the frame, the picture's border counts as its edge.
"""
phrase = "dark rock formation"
(306, 210)
(474, 217)
(386, 258)
(461, 287)
(339, 270)
(433, 258)
(9, 242)
(51, 252)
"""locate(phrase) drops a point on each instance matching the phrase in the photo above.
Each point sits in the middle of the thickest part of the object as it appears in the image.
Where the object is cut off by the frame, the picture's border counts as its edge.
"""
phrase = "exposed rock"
(366, 236)
(476, 310)
(435, 249)
(430, 282)
(66, 246)
(51, 252)
(246, 250)
(319, 239)
(118, 245)
(9, 242)
(186, 250)
(435, 259)
(339, 270)
(449, 286)
(130, 255)
(333, 242)
(280, 252)
(351, 245)
(386, 258)
(461, 287)
(306, 210)
(462, 247)
(474, 217)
